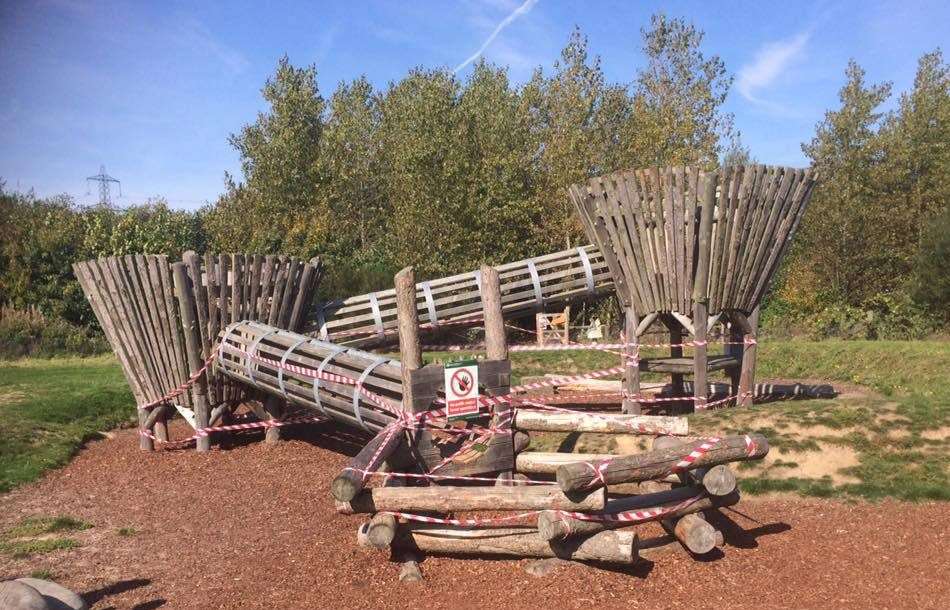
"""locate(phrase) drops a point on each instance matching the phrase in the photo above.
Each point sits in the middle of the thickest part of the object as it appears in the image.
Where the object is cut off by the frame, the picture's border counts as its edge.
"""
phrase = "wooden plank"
(185, 293)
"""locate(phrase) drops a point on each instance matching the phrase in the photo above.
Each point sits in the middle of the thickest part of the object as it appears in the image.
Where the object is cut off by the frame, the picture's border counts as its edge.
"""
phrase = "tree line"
(445, 173)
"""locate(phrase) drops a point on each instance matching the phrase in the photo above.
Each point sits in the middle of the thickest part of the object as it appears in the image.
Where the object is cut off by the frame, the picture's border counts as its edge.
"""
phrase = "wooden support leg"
(747, 376)
(736, 349)
(275, 410)
(700, 382)
(145, 443)
(631, 378)
(160, 429)
(676, 338)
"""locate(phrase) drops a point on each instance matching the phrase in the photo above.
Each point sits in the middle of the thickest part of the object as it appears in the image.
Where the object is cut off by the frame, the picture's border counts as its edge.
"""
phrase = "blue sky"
(152, 90)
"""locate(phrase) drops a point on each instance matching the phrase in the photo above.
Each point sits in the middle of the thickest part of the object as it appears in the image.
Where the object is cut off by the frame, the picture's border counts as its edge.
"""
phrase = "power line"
(104, 181)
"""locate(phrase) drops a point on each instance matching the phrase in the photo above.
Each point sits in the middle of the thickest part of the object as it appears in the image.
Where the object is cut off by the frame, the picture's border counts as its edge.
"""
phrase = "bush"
(883, 316)
(30, 333)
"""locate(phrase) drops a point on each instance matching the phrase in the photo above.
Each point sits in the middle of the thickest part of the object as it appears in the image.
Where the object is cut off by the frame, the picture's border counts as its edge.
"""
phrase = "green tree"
(422, 184)
(571, 134)
(274, 209)
(677, 114)
(844, 249)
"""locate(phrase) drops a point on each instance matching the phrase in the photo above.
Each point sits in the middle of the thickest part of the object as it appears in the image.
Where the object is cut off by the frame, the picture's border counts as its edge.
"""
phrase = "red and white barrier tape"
(183, 387)
(439, 477)
(267, 423)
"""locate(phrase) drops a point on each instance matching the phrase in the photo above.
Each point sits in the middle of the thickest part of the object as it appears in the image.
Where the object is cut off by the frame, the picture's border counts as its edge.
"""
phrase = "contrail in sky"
(521, 10)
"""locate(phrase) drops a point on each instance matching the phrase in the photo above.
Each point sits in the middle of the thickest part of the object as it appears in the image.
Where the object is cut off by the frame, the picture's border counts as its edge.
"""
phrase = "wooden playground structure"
(450, 468)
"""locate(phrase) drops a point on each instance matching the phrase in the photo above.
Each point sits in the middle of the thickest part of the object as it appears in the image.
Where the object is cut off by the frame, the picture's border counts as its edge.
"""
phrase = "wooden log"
(381, 530)
(658, 464)
(610, 423)
(351, 481)
(700, 356)
(184, 290)
(496, 345)
(609, 547)
(718, 480)
(555, 525)
(545, 462)
(747, 374)
(443, 499)
(695, 533)
(410, 350)
(631, 378)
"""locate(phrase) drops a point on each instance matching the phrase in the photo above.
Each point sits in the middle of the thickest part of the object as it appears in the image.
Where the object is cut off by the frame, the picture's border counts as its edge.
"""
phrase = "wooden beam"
(608, 547)
(658, 464)
(443, 499)
(541, 421)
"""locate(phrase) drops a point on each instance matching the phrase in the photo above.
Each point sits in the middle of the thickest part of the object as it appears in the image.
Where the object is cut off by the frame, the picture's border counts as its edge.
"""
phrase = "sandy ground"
(253, 526)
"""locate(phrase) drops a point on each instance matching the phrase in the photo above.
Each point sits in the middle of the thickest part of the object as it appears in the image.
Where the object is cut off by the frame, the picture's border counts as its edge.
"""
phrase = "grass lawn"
(887, 434)
(49, 408)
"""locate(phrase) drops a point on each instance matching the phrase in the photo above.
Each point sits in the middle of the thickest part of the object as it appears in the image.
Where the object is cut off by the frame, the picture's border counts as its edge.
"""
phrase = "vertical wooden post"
(631, 378)
(700, 358)
(496, 344)
(747, 376)
(274, 407)
(407, 316)
(701, 290)
(737, 350)
(676, 339)
(189, 324)
(566, 338)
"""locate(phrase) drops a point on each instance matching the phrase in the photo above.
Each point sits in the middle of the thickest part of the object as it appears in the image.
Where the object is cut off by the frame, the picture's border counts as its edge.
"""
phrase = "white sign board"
(461, 389)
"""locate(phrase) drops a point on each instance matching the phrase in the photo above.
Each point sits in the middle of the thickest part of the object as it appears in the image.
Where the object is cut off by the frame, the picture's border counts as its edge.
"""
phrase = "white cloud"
(769, 63)
(523, 9)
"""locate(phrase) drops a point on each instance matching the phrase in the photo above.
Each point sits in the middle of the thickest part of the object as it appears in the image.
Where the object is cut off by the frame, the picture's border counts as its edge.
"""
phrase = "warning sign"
(461, 388)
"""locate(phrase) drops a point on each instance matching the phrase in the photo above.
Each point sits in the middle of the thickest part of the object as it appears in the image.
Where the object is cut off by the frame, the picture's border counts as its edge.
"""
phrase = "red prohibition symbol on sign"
(462, 382)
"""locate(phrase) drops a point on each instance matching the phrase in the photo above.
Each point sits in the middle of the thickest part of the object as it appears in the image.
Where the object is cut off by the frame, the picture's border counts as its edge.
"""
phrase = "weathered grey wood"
(496, 344)
(544, 421)
(410, 350)
(184, 290)
(747, 375)
(608, 547)
(658, 464)
(555, 525)
(631, 379)
(444, 499)
(700, 358)
(349, 483)
(695, 533)
(686, 365)
(381, 530)
(717, 480)
(676, 351)
(545, 462)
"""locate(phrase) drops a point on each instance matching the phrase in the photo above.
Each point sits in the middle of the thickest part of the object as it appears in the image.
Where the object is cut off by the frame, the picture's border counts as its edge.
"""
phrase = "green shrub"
(30, 333)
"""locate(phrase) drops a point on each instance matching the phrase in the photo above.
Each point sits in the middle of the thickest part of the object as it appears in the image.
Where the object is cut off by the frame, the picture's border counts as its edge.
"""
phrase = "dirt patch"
(11, 397)
(940, 434)
(828, 461)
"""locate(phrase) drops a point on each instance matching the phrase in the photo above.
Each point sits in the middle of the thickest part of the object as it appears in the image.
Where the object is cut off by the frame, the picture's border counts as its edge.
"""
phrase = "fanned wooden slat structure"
(163, 319)
(691, 247)
(527, 285)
